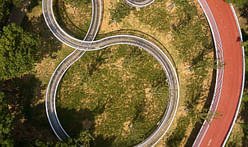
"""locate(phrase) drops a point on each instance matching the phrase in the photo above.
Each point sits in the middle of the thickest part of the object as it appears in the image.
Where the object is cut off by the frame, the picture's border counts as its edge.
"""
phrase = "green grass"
(73, 16)
(156, 15)
(119, 11)
(111, 86)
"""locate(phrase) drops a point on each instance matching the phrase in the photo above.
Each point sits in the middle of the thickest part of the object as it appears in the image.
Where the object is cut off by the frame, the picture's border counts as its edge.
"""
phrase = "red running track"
(233, 74)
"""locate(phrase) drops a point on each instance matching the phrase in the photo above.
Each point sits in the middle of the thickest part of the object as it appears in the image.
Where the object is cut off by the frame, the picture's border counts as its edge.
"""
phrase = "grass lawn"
(122, 90)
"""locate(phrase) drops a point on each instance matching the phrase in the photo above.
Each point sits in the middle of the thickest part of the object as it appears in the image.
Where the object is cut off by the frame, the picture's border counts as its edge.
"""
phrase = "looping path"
(228, 88)
(88, 44)
(229, 79)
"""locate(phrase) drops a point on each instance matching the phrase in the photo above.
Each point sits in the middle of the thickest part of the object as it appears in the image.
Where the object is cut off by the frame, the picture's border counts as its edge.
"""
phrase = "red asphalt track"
(233, 72)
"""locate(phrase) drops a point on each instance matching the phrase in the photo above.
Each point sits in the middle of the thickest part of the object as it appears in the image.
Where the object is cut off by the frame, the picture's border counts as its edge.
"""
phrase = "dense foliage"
(17, 51)
(85, 139)
(6, 120)
(4, 10)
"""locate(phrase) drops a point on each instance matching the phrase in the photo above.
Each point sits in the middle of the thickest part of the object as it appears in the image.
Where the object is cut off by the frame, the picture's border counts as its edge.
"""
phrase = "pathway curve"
(89, 45)
(229, 89)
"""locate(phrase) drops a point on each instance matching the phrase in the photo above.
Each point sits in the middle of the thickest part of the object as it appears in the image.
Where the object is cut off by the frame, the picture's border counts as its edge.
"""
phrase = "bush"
(120, 11)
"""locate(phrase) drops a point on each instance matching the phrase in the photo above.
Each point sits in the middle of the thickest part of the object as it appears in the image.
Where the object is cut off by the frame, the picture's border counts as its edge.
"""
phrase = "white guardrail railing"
(219, 71)
(243, 78)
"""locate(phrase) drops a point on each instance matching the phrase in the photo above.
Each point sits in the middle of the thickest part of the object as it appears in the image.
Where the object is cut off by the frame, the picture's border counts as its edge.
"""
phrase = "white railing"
(219, 71)
(243, 78)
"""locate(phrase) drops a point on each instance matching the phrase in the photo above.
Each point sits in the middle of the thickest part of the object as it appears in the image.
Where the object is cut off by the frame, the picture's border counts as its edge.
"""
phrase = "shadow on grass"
(207, 104)
(48, 42)
(244, 106)
(76, 121)
(72, 121)
(25, 98)
(100, 141)
(64, 20)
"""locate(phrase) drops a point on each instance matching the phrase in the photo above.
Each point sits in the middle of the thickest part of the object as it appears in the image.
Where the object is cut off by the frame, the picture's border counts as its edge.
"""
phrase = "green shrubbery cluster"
(17, 55)
(120, 11)
(6, 122)
(17, 51)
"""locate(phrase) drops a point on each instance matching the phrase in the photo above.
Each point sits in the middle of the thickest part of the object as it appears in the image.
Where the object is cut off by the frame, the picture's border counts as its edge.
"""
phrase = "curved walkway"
(139, 3)
(62, 68)
(228, 91)
(88, 45)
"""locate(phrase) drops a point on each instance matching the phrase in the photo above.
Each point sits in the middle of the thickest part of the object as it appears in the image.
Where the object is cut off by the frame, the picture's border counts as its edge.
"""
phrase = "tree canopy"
(17, 3)
(6, 120)
(17, 51)
(4, 10)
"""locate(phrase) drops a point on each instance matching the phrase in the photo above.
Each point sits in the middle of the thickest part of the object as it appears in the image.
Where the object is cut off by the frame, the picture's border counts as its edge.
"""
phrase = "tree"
(18, 3)
(4, 10)
(65, 143)
(245, 44)
(6, 122)
(85, 138)
(68, 142)
(17, 51)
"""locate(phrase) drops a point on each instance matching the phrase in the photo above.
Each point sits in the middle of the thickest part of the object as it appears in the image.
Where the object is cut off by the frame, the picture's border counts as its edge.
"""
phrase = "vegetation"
(17, 51)
(244, 106)
(238, 3)
(18, 3)
(159, 17)
(65, 143)
(121, 92)
(6, 122)
(196, 51)
(5, 8)
(118, 95)
(74, 16)
(76, 3)
(179, 133)
(85, 138)
(119, 11)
